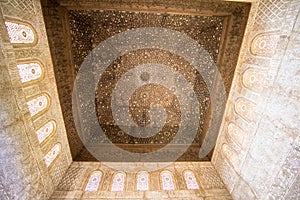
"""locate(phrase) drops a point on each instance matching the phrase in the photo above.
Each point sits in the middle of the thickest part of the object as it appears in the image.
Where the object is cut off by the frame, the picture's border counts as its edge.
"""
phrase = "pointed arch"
(167, 180)
(30, 71)
(118, 182)
(142, 181)
(93, 182)
(38, 104)
(20, 33)
(52, 155)
(190, 180)
(46, 131)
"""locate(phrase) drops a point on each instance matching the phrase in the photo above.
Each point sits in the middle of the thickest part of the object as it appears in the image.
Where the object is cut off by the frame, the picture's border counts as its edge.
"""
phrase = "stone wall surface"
(257, 153)
(23, 172)
(15, 151)
(74, 183)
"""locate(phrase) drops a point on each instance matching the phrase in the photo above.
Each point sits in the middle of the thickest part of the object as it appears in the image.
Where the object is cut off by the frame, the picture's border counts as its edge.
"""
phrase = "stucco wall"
(257, 154)
(22, 170)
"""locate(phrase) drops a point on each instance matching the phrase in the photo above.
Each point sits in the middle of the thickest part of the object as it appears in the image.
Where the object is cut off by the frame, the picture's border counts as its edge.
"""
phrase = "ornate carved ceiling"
(218, 28)
(89, 28)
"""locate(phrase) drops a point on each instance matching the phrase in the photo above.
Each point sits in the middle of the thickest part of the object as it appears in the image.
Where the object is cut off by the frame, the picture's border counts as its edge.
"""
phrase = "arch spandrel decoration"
(93, 181)
(142, 181)
(235, 133)
(118, 183)
(167, 181)
(253, 79)
(245, 108)
(52, 155)
(230, 154)
(38, 105)
(21, 33)
(46, 131)
(30, 71)
(190, 180)
(264, 44)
